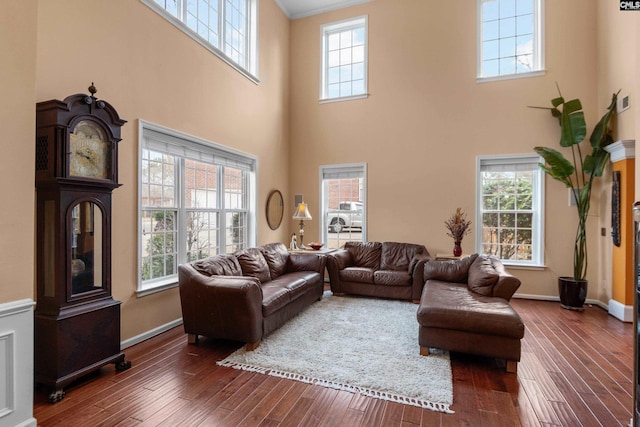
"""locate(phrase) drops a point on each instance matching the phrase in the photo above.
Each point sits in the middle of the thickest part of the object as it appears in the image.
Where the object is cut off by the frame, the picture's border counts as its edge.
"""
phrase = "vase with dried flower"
(457, 226)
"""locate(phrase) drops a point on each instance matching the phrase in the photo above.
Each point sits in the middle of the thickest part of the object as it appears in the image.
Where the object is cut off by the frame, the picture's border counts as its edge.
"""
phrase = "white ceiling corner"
(295, 9)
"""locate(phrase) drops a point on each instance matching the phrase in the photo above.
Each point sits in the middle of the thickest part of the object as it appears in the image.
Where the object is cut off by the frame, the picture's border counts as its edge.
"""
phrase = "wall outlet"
(603, 232)
(623, 103)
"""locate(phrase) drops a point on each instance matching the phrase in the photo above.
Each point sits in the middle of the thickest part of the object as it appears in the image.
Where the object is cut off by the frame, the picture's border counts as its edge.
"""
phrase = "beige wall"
(618, 66)
(427, 119)
(419, 132)
(147, 69)
(17, 165)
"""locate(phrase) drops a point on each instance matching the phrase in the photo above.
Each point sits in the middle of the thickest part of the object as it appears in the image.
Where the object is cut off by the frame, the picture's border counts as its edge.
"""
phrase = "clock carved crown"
(77, 140)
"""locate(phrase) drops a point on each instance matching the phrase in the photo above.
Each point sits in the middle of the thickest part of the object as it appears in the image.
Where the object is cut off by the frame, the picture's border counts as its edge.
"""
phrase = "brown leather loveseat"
(465, 308)
(387, 270)
(248, 294)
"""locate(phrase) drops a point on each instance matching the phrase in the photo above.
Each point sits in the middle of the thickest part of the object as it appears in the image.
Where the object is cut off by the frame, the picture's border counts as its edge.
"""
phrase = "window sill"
(511, 76)
(524, 266)
(343, 98)
(160, 286)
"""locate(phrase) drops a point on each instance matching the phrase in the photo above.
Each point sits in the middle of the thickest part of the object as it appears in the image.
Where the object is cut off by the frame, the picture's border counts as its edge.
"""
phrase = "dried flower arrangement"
(458, 225)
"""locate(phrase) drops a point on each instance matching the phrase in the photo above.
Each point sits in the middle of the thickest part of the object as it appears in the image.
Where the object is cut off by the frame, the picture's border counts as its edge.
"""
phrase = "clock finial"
(92, 89)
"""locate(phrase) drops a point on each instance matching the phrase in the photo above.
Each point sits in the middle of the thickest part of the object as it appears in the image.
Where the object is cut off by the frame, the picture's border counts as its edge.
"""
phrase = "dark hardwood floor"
(576, 370)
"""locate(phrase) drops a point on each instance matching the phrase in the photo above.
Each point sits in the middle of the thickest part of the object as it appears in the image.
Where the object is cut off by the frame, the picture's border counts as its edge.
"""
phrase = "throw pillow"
(276, 255)
(365, 254)
(482, 276)
(253, 264)
(218, 265)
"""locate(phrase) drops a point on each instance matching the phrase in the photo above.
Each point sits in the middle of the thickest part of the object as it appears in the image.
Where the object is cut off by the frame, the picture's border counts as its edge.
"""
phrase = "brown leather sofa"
(465, 308)
(248, 294)
(386, 270)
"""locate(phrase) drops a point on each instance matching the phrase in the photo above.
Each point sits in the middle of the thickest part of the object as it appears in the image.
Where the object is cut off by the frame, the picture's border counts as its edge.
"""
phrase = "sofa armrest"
(306, 262)
(341, 258)
(416, 270)
(225, 307)
(336, 261)
(507, 284)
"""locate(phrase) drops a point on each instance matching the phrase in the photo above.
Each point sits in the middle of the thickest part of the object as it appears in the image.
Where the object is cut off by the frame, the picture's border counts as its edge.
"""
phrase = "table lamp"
(302, 213)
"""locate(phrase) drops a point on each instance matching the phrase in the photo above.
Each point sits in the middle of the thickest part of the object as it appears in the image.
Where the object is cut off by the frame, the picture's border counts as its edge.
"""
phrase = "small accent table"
(448, 256)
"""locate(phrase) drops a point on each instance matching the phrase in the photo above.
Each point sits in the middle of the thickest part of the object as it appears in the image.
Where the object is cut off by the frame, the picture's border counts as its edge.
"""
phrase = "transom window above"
(510, 38)
(226, 27)
(344, 59)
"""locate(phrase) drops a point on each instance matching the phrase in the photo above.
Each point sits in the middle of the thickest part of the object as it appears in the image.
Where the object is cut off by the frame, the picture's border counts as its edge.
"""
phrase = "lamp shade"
(302, 212)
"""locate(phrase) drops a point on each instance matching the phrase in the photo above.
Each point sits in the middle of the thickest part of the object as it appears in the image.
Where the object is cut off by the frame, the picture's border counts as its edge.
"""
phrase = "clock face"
(89, 155)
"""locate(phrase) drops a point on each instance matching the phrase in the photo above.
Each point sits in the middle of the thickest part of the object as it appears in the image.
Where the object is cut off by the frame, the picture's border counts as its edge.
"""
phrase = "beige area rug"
(360, 345)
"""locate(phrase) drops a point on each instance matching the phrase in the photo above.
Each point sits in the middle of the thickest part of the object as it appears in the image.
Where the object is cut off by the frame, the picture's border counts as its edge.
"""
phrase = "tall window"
(510, 38)
(196, 200)
(509, 209)
(226, 27)
(343, 204)
(344, 59)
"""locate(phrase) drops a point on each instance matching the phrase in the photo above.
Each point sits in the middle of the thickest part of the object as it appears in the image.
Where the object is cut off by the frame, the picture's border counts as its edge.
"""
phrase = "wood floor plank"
(576, 370)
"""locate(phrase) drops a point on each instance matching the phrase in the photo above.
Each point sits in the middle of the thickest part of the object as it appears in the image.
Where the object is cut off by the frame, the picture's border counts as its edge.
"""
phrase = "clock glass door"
(86, 247)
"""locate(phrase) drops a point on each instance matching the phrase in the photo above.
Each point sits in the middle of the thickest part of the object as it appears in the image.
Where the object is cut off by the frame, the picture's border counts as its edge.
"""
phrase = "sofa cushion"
(357, 274)
(276, 255)
(390, 277)
(274, 297)
(365, 254)
(297, 283)
(482, 276)
(253, 264)
(398, 256)
(219, 265)
(449, 271)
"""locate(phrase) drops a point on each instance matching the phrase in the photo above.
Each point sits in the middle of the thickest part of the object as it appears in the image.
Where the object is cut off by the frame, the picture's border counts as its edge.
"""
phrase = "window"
(343, 206)
(226, 27)
(344, 59)
(196, 200)
(509, 209)
(510, 38)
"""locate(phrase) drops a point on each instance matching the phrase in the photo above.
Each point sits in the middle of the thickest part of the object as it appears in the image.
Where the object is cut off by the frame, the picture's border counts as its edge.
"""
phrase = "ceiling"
(301, 8)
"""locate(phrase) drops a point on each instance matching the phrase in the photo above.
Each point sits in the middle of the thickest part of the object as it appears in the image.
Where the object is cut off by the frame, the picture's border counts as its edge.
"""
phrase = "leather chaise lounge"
(465, 308)
(248, 294)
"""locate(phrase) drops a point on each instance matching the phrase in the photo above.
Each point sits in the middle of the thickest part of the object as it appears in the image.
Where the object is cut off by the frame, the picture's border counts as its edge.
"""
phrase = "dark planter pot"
(572, 293)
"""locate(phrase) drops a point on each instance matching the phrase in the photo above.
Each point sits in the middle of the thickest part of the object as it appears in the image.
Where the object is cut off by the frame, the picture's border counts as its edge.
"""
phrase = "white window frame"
(339, 26)
(532, 160)
(538, 45)
(159, 138)
(250, 69)
(337, 171)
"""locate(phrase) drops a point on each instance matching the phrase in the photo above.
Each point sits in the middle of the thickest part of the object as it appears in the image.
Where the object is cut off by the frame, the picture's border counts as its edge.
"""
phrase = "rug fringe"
(433, 406)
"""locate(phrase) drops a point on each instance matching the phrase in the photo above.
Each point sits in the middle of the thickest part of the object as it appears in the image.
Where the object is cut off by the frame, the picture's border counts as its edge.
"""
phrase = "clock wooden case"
(77, 321)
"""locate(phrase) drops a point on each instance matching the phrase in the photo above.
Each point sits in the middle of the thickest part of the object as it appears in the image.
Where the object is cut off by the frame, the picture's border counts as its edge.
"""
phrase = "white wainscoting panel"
(16, 364)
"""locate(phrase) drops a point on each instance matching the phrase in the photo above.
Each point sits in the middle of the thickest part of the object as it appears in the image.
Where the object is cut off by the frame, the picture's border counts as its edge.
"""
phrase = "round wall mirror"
(275, 209)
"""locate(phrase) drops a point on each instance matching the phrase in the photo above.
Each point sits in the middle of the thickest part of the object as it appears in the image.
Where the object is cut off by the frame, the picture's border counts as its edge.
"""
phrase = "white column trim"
(622, 150)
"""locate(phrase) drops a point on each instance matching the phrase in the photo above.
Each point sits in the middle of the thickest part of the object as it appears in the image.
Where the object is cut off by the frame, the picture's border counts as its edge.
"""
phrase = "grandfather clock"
(77, 322)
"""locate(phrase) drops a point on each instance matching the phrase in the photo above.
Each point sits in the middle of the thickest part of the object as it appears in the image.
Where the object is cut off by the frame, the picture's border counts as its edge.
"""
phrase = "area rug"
(360, 345)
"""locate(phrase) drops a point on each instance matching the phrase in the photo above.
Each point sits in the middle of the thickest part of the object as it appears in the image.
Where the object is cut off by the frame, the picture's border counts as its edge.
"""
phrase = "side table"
(320, 252)
(444, 256)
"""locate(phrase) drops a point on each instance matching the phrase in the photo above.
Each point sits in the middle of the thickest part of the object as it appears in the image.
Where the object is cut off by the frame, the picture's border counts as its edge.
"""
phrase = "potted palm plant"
(578, 174)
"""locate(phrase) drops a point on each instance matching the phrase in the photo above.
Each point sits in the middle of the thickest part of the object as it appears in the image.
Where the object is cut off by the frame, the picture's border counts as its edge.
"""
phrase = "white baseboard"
(16, 363)
(556, 298)
(150, 334)
(621, 311)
